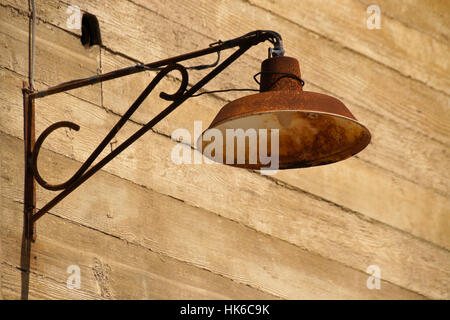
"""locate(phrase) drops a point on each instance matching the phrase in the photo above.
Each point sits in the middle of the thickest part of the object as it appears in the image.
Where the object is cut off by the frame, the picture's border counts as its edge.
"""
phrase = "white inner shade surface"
(305, 138)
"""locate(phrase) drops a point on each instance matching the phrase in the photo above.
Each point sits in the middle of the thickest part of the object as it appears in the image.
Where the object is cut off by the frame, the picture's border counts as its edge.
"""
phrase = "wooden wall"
(146, 228)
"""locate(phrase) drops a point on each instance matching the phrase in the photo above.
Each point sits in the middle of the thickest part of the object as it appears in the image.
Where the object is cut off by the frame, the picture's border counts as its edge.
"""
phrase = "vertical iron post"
(30, 183)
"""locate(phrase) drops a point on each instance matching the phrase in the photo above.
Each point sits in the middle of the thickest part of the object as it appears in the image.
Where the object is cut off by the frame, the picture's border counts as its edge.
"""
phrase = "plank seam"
(138, 245)
(215, 273)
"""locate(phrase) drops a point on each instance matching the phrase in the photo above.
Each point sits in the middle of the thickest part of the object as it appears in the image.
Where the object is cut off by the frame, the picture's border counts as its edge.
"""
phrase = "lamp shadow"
(25, 256)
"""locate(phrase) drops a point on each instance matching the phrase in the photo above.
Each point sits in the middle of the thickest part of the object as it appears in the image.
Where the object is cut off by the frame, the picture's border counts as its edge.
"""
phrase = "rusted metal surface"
(314, 129)
(273, 101)
(274, 71)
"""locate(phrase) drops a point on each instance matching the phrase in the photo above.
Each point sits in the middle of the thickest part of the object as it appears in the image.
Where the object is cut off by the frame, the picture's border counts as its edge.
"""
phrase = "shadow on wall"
(25, 265)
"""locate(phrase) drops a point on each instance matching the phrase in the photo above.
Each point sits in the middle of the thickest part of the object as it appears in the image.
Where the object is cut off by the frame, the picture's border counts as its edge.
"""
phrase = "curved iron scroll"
(169, 97)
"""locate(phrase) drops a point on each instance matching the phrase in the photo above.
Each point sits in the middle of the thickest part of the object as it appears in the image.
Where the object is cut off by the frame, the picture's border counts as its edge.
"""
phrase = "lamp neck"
(280, 73)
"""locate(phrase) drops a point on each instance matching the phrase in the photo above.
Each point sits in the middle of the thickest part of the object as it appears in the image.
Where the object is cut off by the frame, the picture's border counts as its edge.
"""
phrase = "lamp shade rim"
(217, 123)
(313, 128)
(343, 153)
(287, 100)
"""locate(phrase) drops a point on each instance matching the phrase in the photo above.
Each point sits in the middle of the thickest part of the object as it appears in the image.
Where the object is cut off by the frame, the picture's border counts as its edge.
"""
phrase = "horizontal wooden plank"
(291, 215)
(110, 268)
(427, 16)
(201, 238)
(40, 287)
(366, 188)
(55, 51)
(394, 44)
(325, 64)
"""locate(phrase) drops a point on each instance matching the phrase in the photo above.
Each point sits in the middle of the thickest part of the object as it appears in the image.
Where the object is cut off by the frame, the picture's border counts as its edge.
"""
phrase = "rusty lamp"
(314, 129)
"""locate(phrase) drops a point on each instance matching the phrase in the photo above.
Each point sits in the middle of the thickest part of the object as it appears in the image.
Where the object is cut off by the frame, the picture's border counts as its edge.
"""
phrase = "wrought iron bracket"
(32, 146)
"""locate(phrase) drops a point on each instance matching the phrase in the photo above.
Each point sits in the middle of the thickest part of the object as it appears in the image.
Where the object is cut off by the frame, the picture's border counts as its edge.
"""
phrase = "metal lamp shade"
(313, 129)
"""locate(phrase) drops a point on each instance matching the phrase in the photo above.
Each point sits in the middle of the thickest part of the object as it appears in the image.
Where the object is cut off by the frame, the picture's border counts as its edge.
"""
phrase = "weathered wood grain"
(201, 238)
(41, 288)
(394, 44)
(59, 56)
(431, 16)
(110, 268)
